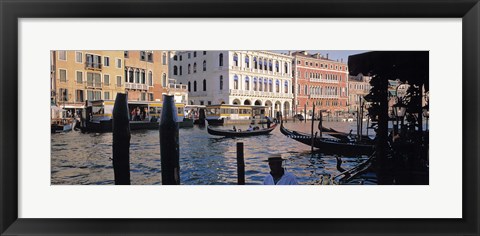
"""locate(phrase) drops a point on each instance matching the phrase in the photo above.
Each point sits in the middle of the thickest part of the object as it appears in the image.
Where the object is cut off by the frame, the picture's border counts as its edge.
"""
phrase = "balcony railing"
(177, 87)
(93, 65)
(260, 94)
(91, 84)
(323, 96)
(136, 86)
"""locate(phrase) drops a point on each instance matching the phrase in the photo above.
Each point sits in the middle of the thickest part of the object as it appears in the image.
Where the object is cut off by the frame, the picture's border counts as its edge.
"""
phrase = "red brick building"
(320, 81)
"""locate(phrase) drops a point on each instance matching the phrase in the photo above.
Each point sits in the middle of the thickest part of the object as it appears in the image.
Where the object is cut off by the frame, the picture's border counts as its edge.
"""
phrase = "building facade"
(235, 77)
(320, 81)
(358, 87)
(80, 75)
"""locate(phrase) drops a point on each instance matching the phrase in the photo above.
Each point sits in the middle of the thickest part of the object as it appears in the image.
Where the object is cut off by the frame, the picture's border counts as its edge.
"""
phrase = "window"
(209, 102)
(270, 89)
(79, 97)
(189, 86)
(221, 82)
(247, 61)
(150, 78)
(277, 86)
(137, 76)
(142, 55)
(260, 64)
(164, 80)
(79, 57)
(204, 85)
(94, 61)
(79, 77)
(255, 63)
(286, 67)
(270, 66)
(131, 79)
(119, 81)
(63, 75)
(195, 86)
(106, 79)
(255, 84)
(247, 83)
(195, 67)
(150, 97)
(142, 78)
(181, 70)
(189, 55)
(204, 65)
(63, 94)
(188, 70)
(204, 52)
(125, 54)
(62, 55)
(94, 80)
(106, 95)
(180, 57)
(94, 95)
(235, 59)
(106, 61)
(202, 103)
(277, 67)
(150, 56)
(164, 58)
(286, 87)
(220, 59)
(235, 82)
(175, 70)
(195, 54)
(175, 58)
(119, 63)
(144, 97)
(265, 64)
(260, 87)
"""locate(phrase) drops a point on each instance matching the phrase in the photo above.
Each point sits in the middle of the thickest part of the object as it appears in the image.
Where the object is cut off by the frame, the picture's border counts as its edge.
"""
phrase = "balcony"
(91, 84)
(262, 94)
(182, 88)
(322, 96)
(136, 86)
(93, 66)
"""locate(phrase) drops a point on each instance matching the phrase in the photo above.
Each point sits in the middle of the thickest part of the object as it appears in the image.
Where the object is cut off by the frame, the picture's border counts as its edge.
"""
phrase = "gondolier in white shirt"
(278, 175)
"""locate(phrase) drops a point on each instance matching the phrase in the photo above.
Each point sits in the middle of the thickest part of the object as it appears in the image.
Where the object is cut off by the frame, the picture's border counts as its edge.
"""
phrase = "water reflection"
(204, 159)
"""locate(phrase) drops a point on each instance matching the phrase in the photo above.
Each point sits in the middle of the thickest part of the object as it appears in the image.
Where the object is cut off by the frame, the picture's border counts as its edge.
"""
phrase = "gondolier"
(278, 175)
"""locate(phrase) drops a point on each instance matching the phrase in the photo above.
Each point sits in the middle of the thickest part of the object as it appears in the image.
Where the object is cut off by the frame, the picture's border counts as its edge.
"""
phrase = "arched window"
(204, 85)
(221, 82)
(204, 65)
(247, 83)
(270, 66)
(189, 86)
(277, 86)
(265, 64)
(164, 80)
(260, 87)
(261, 64)
(142, 78)
(286, 87)
(255, 85)
(220, 59)
(195, 67)
(131, 79)
(181, 71)
(277, 66)
(126, 75)
(255, 63)
(265, 83)
(175, 58)
(286, 67)
(137, 76)
(247, 61)
(235, 59)
(188, 69)
(164, 58)
(270, 85)
(235, 82)
(195, 86)
(175, 70)
(150, 78)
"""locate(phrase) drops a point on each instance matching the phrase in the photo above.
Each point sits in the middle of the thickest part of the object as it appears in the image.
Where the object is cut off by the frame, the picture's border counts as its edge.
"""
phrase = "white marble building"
(235, 77)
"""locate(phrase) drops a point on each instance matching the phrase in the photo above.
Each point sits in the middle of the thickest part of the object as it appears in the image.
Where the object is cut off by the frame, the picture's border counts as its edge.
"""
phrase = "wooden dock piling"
(240, 164)
(313, 121)
(121, 140)
(169, 145)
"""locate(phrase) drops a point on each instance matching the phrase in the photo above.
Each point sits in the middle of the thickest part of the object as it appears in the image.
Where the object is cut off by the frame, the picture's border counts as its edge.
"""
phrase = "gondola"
(231, 133)
(330, 146)
(345, 137)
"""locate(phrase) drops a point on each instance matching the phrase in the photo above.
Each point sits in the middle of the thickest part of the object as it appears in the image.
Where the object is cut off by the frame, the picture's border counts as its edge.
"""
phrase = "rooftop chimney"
(327, 55)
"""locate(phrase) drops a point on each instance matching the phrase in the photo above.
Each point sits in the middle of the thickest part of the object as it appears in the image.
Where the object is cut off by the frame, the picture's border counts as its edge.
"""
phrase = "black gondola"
(231, 133)
(344, 137)
(330, 146)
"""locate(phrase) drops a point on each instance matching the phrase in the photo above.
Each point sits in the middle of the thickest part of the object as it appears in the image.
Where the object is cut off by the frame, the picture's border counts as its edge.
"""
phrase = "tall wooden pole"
(169, 146)
(305, 111)
(121, 140)
(382, 131)
(320, 124)
(240, 164)
(313, 121)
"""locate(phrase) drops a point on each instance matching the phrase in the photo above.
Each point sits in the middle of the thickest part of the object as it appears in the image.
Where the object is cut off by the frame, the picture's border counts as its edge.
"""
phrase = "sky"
(333, 54)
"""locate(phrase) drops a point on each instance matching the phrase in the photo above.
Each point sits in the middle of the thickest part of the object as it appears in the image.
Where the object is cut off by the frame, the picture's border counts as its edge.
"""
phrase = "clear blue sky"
(332, 54)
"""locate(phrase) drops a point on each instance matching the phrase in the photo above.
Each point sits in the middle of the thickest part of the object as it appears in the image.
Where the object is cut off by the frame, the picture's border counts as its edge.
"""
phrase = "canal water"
(80, 159)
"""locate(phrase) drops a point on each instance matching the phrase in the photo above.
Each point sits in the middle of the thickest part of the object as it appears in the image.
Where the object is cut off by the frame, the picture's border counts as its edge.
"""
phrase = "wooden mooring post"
(169, 145)
(305, 112)
(121, 140)
(313, 121)
(240, 164)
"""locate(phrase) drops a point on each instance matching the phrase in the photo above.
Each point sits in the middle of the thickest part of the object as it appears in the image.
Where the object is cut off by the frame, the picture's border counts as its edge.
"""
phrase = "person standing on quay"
(278, 175)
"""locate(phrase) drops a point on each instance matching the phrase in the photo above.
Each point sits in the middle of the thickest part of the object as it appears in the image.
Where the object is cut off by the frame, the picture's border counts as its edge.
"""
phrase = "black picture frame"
(12, 10)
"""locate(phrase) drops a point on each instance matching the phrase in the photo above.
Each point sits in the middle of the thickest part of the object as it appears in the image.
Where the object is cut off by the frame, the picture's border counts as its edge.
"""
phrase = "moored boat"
(331, 146)
(237, 133)
(224, 114)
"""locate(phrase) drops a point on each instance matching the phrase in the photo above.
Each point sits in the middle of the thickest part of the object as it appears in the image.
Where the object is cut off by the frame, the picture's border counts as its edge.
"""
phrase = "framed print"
(296, 78)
